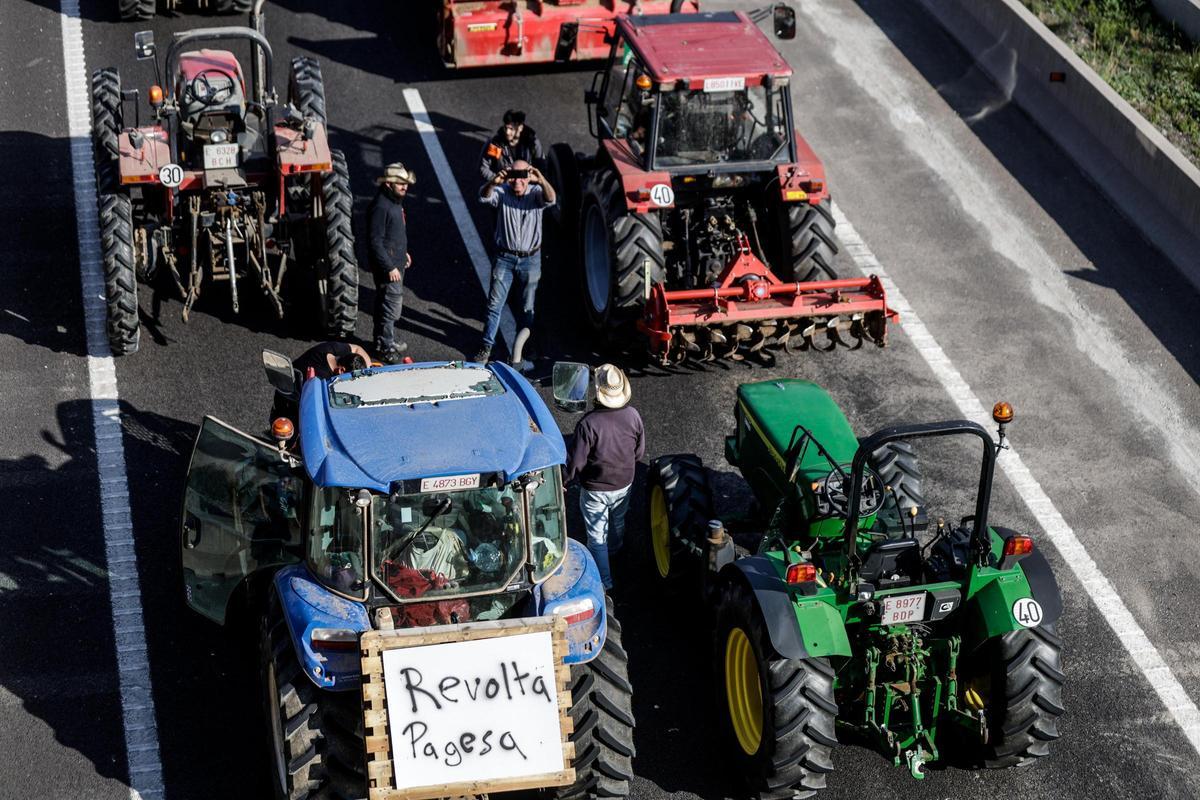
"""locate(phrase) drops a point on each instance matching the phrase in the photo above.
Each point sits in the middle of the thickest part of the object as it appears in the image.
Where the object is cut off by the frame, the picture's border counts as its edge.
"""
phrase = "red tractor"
(225, 186)
(703, 220)
(145, 9)
(488, 33)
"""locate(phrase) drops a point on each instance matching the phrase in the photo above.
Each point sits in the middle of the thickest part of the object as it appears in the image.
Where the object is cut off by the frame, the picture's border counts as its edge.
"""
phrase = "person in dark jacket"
(389, 257)
(513, 142)
(608, 443)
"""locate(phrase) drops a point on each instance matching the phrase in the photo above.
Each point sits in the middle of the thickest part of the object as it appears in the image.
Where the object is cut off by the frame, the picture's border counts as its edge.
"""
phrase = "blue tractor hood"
(376, 426)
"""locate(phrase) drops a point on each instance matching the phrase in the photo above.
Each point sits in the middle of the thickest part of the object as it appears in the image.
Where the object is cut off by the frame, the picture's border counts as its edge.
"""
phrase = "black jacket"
(387, 234)
(607, 445)
(497, 155)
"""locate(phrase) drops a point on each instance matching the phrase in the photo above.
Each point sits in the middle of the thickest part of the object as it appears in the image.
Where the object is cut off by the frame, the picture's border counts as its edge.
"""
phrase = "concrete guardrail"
(1128, 158)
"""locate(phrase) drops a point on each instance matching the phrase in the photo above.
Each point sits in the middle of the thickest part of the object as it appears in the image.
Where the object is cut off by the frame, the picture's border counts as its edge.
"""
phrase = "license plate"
(903, 608)
(221, 156)
(724, 84)
(450, 483)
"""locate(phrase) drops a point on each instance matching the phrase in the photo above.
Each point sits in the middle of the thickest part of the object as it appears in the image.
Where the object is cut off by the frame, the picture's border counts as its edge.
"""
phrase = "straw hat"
(612, 387)
(397, 173)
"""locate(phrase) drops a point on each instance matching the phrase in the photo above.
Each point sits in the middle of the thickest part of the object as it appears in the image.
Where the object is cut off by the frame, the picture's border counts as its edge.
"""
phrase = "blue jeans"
(604, 521)
(527, 271)
(389, 302)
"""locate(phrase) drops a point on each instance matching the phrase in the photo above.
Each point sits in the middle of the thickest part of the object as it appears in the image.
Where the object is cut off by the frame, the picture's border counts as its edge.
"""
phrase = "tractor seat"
(891, 562)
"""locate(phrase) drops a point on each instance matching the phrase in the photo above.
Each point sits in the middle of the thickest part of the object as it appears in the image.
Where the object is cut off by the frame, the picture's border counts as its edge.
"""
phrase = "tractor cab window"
(625, 105)
(696, 127)
(335, 545)
(548, 539)
(439, 544)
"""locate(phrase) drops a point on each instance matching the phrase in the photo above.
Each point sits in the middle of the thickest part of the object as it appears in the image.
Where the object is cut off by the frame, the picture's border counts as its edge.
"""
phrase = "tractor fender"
(1043, 586)
(802, 627)
(567, 591)
(308, 605)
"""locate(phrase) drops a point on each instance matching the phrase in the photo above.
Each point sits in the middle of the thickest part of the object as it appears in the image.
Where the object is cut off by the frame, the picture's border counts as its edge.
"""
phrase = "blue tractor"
(413, 495)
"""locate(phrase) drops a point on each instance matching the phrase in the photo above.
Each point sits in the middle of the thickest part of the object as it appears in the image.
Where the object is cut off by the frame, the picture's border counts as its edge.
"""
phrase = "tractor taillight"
(334, 639)
(643, 195)
(813, 187)
(576, 610)
(801, 573)
(1018, 546)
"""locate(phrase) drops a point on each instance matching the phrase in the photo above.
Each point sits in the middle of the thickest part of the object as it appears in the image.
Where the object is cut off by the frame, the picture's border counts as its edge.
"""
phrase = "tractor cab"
(212, 95)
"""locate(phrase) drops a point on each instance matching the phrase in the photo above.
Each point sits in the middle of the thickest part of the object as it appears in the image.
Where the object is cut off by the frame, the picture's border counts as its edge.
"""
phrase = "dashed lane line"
(1113, 609)
(458, 207)
(129, 628)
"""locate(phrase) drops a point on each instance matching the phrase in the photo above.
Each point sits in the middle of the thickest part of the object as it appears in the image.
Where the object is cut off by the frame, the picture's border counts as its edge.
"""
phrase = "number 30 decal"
(171, 175)
(1027, 613)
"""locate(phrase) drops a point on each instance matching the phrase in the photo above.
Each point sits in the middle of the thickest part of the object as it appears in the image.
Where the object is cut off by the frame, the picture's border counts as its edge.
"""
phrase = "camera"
(515, 174)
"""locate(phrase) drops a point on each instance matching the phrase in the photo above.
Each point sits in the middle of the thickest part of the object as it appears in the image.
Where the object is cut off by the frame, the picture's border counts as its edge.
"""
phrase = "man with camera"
(519, 195)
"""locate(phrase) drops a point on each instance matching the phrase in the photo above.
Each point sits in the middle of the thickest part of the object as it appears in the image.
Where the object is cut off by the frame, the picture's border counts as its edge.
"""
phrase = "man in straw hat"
(608, 443)
(389, 257)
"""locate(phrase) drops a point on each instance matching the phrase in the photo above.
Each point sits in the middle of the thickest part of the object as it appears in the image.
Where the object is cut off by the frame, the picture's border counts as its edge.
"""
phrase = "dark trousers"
(389, 302)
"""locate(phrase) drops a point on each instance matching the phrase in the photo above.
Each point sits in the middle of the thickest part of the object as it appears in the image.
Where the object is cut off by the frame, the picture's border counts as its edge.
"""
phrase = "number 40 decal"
(1027, 612)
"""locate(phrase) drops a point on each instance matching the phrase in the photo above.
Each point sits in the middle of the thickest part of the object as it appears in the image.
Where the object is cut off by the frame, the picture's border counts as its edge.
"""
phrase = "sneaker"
(484, 354)
(523, 365)
(394, 355)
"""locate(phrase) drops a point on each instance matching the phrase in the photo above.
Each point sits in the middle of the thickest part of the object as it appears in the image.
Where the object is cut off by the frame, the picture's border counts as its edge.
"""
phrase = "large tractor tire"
(777, 713)
(135, 9)
(1024, 696)
(680, 505)
(562, 170)
(306, 88)
(602, 710)
(897, 465)
(810, 242)
(339, 302)
(316, 737)
(621, 253)
(107, 121)
(120, 282)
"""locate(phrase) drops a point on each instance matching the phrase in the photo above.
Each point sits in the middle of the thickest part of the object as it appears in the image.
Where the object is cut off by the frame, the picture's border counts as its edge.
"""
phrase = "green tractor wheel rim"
(743, 691)
(660, 531)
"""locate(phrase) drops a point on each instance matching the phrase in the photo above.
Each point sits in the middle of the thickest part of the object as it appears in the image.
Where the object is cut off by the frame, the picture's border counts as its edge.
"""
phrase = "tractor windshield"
(697, 127)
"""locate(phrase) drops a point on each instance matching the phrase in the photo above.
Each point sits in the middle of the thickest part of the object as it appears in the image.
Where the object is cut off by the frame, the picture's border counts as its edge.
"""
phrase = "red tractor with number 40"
(703, 220)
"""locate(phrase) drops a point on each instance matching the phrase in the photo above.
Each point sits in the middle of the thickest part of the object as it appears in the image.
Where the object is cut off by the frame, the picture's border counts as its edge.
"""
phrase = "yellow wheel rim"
(743, 691)
(660, 531)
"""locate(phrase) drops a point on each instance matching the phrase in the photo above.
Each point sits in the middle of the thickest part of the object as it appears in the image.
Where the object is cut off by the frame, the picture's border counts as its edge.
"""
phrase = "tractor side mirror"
(785, 21)
(572, 385)
(143, 45)
(280, 373)
(591, 96)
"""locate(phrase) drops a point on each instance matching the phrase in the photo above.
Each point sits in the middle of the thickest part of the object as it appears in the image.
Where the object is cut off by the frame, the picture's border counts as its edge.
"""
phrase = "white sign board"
(478, 710)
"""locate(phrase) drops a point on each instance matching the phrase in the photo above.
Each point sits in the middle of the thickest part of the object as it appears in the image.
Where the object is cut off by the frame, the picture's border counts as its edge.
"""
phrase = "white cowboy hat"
(397, 173)
(612, 387)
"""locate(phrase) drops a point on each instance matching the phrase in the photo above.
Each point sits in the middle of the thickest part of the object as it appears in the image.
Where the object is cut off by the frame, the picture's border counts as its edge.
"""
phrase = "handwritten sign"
(481, 711)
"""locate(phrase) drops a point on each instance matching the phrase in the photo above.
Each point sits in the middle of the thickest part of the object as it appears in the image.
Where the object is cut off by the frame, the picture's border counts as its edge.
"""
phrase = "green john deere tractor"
(841, 612)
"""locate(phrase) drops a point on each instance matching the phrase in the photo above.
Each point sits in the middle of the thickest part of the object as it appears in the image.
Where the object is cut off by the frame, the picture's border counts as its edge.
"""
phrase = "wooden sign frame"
(381, 779)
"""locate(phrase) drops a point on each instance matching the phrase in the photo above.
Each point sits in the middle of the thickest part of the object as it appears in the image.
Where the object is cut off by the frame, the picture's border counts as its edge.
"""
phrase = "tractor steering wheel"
(201, 90)
(832, 497)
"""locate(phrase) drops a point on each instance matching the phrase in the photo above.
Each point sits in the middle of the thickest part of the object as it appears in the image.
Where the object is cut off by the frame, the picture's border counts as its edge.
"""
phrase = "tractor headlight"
(219, 136)
(728, 181)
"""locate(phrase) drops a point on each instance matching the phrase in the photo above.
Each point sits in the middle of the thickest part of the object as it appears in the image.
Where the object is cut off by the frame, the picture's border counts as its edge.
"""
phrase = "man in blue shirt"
(519, 195)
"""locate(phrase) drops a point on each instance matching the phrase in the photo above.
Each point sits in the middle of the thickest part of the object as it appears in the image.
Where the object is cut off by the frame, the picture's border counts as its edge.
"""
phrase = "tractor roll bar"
(878, 439)
(259, 44)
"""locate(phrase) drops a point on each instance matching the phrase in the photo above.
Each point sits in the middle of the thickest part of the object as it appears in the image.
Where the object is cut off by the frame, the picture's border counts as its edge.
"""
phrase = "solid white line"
(1075, 556)
(458, 207)
(129, 632)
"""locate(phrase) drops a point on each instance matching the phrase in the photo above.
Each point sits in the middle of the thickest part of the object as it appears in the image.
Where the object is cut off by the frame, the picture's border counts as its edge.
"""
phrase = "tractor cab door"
(625, 108)
(241, 514)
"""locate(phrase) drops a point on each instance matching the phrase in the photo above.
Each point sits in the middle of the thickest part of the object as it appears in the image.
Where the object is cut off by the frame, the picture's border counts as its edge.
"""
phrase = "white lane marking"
(458, 207)
(129, 628)
(1074, 555)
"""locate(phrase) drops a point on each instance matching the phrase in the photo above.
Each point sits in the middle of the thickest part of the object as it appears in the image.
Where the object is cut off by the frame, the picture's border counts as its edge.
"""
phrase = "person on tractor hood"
(513, 142)
(389, 257)
(608, 443)
(326, 360)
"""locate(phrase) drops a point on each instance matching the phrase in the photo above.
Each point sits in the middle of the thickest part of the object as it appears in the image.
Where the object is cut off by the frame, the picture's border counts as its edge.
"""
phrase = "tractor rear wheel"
(306, 88)
(1023, 696)
(562, 171)
(602, 710)
(316, 737)
(622, 253)
(120, 282)
(680, 506)
(810, 242)
(135, 9)
(339, 302)
(777, 713)
(897, 465)
(107, 121)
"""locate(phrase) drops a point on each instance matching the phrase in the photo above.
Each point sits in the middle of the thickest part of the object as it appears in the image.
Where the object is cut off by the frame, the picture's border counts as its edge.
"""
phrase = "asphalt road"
(1035, 287)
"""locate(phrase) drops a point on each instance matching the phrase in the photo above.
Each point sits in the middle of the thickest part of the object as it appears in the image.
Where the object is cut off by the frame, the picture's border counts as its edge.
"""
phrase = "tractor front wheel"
(622, 253)
(1023, 696)
(810, 242)
(120, 281)
(135, 9)
(777, 713)
(316, 737)
(680, 506)
(602, 710)
(306, 88)
(340, 301)
(107, 121)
